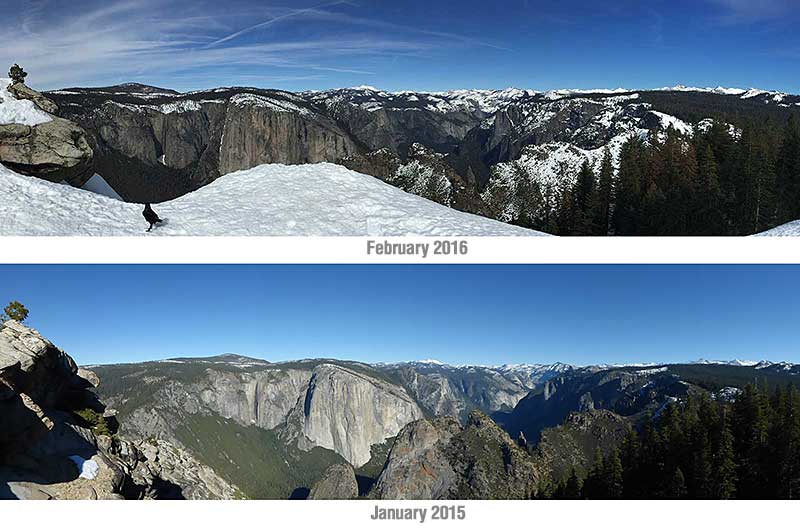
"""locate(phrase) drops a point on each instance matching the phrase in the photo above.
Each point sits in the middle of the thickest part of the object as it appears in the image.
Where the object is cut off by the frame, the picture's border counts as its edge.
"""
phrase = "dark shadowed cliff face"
(153, 146)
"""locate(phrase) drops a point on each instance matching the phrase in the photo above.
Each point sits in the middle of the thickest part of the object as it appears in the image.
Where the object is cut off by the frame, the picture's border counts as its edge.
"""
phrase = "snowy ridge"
(270, 200)
(247, 99)
(372, 99)
(744, 94)
(791, 229)
(490, 101)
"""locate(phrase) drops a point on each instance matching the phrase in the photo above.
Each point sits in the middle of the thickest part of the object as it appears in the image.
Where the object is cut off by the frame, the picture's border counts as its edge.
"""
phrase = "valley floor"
(270, 200)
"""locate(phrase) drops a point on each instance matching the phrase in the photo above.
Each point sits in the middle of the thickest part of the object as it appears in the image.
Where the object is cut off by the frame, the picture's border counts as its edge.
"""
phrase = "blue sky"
(456, 314)
(404, 45)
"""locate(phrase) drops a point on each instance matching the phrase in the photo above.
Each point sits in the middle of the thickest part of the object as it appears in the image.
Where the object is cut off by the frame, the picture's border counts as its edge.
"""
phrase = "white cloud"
(145, 40)
(743, 11)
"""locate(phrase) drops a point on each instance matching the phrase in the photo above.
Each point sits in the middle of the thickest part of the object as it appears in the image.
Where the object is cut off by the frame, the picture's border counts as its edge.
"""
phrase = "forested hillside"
(703, 448)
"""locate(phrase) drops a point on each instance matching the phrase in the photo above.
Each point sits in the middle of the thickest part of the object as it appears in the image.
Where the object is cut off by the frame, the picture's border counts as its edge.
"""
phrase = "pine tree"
(585, 199)
(724, 466)
(708, 203)
(613, 476)
(602, 208)
(573, 486)
(628, 188)
(676, 490)
(788, 172)
(15, 311)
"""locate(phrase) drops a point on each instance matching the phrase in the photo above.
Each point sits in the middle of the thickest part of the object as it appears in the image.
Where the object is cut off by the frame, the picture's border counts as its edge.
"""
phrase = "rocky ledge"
(58, 441)
(34, 141)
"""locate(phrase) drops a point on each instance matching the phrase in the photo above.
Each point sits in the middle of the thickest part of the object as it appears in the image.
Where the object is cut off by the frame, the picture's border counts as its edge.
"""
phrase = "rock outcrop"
(438, 459)
(339, 407)
(347, 412)
(573, 445)
(44, 448)
(161, 470)
(153, 145)
(48, 147)
(338, 483)
(23, 92)
(57, 440)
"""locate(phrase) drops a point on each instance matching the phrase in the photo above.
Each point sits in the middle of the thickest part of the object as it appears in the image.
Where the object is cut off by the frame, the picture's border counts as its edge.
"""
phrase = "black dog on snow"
(150, 216)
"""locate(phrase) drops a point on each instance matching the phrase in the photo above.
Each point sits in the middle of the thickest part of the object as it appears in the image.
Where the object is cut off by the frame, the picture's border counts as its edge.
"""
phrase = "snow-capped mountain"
(174, 143)
(276, 200)
(467, 149)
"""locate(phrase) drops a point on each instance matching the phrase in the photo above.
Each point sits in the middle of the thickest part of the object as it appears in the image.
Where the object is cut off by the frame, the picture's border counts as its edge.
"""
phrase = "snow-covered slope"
(22, 112)
(269, 200)
(789, 229)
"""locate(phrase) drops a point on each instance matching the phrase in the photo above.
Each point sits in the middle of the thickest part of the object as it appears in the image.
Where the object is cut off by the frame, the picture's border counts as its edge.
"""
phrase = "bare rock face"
(438, 459)
(263, 399)
(51, 444)
(161, 470)
(338, 483)
(43, 446)
(347, 412)
(24, 92)
(56, 150)
(153, 145)
(417, 467)
(33, 366)
(260, 130)
(337, 407)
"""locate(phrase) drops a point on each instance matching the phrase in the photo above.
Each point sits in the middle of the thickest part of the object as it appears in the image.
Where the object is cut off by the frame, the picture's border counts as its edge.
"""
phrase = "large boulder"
(35, 142)
(337, 483)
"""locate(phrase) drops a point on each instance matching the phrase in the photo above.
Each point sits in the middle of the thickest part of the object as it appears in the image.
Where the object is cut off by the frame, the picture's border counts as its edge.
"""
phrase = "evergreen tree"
(708, 204)
(601, 209)
(676, 489)
(628, 188)
(572, 488)
(584, 200)
(724, 467)
(613, 476)
(15, 311)
(788, 172)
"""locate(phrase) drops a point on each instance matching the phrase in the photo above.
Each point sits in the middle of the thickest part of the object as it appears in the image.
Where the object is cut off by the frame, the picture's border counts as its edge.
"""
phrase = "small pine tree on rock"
(17, 74)
(15, 311)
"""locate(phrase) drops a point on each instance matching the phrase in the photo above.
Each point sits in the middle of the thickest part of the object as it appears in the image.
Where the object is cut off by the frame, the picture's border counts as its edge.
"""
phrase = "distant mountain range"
(512, 155)
(354, 410)
(232, 426)
(465, 149)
